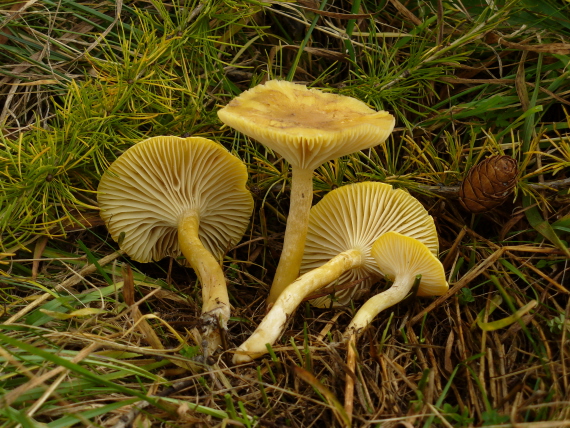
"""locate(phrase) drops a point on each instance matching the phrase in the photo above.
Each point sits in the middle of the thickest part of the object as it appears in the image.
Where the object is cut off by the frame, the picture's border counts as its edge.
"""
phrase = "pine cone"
(488, 184)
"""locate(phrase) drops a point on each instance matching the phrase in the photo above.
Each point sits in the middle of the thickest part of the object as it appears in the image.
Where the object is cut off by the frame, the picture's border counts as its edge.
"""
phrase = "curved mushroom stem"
(402, 285)
(215, 299)
(274, 322)
(295, 232)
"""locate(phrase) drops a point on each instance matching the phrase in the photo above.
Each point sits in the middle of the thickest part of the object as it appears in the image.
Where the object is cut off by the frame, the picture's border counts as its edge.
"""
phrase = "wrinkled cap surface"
(306, 126)
(355, 216)
(398, 255)
(147, 190)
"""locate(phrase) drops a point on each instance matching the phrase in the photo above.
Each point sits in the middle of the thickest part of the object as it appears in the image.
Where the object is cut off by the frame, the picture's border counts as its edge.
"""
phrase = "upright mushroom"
(167, 195)
(343, 226)
(307, 127)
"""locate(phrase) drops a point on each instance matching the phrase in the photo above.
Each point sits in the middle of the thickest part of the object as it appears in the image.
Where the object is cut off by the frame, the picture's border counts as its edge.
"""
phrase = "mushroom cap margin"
(397, 254)
(306, 126)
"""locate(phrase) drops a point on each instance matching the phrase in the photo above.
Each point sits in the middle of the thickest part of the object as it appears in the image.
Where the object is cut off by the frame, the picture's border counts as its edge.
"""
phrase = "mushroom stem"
(396, 293)
(274, 322)
(215, 299)
(295, 232)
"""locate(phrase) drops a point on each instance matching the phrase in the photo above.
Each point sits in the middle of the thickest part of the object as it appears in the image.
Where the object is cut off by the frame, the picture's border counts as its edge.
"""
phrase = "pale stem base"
(295, 232)
(373, 306)
(274, 322)
(216, 303)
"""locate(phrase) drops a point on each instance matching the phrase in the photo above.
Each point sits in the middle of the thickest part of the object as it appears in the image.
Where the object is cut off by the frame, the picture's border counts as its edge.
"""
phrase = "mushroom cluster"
(343, 227)
(170, 196)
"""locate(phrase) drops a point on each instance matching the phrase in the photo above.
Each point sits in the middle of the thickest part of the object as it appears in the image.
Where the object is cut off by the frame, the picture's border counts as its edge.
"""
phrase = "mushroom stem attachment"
(274, 322)
(400, 288)
(295, 232)
(215, 299)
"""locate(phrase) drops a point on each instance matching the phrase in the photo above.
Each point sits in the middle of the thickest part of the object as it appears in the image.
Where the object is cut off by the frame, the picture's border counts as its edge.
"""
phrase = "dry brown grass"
(92, 339)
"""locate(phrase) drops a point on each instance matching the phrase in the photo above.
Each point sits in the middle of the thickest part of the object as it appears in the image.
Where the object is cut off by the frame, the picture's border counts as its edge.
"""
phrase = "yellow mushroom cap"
(148, 189)
(306, 126)
(398, 255)
(354, 216)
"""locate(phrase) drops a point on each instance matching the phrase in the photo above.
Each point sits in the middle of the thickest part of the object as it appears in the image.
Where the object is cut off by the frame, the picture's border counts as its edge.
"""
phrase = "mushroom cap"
(354, 216)
(306, 126)
(152, 185)
(397, 254)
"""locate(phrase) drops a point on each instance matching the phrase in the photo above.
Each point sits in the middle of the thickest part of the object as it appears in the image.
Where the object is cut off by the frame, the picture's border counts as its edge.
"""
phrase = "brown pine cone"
(488, 184)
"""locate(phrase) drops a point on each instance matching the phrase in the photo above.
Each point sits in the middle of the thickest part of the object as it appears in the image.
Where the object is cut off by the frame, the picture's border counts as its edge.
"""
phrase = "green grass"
(80, 84)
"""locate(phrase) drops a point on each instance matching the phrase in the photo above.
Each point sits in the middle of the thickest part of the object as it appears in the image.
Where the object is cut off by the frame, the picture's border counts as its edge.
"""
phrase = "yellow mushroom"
(400, 258)
(307, 127)
(168, 196)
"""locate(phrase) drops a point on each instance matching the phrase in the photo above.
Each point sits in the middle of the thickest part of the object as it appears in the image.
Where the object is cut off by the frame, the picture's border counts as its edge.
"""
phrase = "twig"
(465, 279)
(349, 378)
(453, 191)
(508, 249)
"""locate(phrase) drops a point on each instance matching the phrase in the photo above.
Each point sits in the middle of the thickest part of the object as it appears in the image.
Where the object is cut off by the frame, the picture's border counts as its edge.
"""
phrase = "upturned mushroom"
(168, 196)
(343, 226)
(307, 127)
(400, 258)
